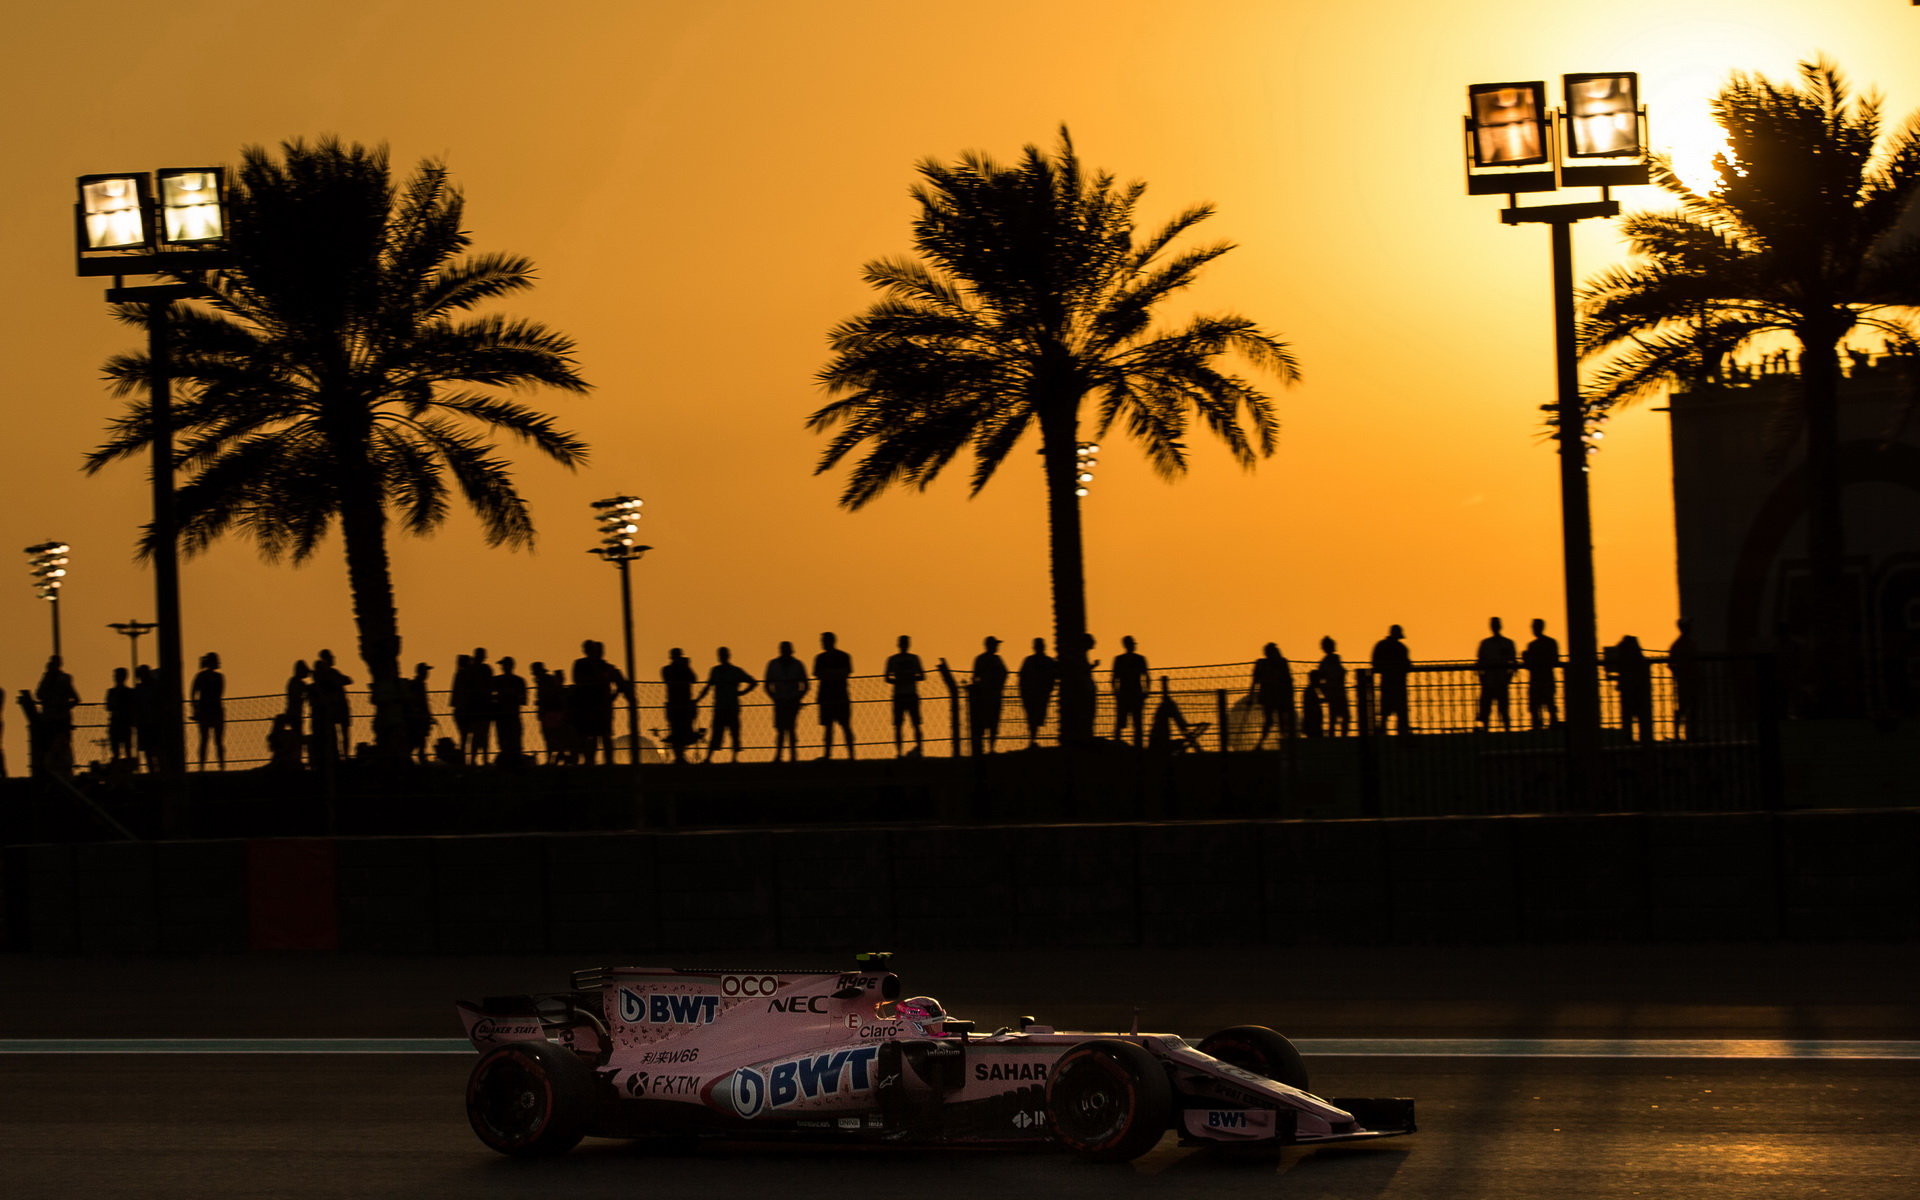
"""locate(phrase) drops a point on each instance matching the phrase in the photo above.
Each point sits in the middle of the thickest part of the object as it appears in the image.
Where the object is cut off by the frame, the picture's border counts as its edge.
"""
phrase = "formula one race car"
(642, 1052)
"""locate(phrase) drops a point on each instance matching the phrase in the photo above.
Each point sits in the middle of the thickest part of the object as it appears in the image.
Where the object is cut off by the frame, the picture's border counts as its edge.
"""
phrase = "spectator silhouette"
(1038, 674)
(1683, 666)
(832, 668)
(1392, 664)
(472, 703)
(1169, 731)
(283, 743)
(1333, 689)
(1273, 692)
(417, 715)
(1078, 689)
(208, 700)
(727, 683)
(905, 672)
(1541, 659)
(1632, 673)
(1494, 663)
(683, 711)
(986, 692)
(1130, 678)
(120, 718)
(332, 715)
(552, 710)
(509, 728)
(298, 691)
(1313, 703)
(56, 698)
(597, 683)
(787, 686)
(146, 714)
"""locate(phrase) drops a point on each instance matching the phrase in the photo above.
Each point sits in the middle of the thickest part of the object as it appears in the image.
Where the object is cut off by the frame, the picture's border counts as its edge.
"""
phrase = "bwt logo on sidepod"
(754, 1090)
(665, 1008)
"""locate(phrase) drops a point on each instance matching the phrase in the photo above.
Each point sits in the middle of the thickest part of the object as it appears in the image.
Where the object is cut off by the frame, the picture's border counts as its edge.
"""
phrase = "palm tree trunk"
(363, 528)
(1831, 625)
(1059, 439)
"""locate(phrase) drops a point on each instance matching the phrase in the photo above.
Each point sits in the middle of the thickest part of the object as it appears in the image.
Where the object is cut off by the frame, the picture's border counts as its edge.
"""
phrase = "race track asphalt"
(1521, 1126)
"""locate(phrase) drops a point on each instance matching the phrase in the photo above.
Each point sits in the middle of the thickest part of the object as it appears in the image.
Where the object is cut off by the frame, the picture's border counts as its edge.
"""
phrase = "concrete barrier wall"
(1829, 876)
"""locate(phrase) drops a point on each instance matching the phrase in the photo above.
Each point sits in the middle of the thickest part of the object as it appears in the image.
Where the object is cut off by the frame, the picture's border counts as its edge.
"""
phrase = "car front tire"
(1109, 1100)
(1260, 1050)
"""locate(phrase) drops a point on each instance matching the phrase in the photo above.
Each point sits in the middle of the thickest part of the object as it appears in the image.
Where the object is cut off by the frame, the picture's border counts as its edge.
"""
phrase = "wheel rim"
(512, 1101)
(1096, 1105)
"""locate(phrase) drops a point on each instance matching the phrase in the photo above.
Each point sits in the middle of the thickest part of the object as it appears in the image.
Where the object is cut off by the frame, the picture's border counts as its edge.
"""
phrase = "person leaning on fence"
(1273, 692)
(1392, 664)
(787, 686)
(1632, 673)
(986, 691)
(904, 673)
(832, 668)
(1038, 674)
(1494, 663)
(1131, 678)
(727, 683)
(1541, 658)
(1683, 667)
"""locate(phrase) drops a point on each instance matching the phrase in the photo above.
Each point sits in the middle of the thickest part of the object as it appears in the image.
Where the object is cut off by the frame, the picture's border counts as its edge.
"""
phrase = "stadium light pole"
(48, 562)
(171, 224)
(133, 631)
(1515, 144)
(619, 520)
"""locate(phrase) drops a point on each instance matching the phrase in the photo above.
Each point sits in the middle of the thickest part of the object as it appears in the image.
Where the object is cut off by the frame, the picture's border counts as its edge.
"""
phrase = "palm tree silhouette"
(1030, 299)
(1799, 238)
(331, 374)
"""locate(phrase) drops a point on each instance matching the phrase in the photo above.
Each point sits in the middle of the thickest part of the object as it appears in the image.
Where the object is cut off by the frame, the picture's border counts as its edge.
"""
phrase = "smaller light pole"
(133, 631)
(619, 520)
(48, 562)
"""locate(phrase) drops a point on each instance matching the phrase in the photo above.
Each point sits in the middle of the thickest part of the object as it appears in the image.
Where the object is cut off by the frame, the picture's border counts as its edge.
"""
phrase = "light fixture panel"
(1603, 115)
(192, 206)
(113, 212)
(1509, 123)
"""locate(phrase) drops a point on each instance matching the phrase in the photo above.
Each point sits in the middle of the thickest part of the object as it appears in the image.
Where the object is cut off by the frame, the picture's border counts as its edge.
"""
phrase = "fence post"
(1369, 746)
(1220, 717)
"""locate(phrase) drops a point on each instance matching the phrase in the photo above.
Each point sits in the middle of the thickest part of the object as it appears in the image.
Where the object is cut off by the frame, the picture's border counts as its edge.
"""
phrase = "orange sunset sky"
(699, 185)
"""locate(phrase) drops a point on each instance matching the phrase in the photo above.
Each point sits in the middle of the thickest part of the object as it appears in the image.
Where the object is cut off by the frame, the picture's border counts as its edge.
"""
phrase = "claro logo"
(748, 985)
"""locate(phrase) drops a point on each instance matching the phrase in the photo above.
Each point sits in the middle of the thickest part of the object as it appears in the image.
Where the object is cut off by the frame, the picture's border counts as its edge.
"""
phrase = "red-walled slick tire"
(530, 1099)
(1109, 1100)
(1260, 1050)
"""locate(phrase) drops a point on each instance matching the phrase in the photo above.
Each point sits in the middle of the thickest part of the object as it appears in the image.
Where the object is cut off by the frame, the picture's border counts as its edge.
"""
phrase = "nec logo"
(794, 1004)
(1217, 1119)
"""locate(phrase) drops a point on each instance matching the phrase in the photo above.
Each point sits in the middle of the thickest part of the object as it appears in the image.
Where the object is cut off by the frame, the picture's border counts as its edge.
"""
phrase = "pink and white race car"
(645, 1052)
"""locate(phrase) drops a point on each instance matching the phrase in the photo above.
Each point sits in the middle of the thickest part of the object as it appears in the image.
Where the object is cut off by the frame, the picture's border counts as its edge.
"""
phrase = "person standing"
(1131, 679)
(1273, 692)
(1333, 689)
(509, 700)
(120, 718)
(1632, 673)
(208, 705)
(986, 690)
(1494, 663)
(904, 674)
(550, 709)
(1038, 674)
(683, 712)
(597, 683)
(727, 683)
(299, 691)
(832, 668)
(331, 713)
(1541, 658)
(418, 715)
(472, 702)
(787, 686)
(1392, 664)
(56, 699)
(1683, 667)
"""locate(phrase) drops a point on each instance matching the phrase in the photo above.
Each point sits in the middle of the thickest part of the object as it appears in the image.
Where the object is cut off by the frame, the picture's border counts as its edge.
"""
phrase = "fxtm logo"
(800, 1079)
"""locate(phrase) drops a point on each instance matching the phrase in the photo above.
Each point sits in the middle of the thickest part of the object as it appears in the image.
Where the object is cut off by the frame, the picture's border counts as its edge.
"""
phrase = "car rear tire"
(1109, 1100)
(530, 1099)
(1260, 1050)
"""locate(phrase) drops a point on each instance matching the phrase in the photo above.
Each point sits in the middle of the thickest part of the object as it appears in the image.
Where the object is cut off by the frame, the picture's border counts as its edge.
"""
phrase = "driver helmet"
(922, 1016)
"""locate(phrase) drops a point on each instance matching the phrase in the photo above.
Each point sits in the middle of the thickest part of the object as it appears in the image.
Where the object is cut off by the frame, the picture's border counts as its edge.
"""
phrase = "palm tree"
(1031, 299)
(1799, 239)
(331, 374)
